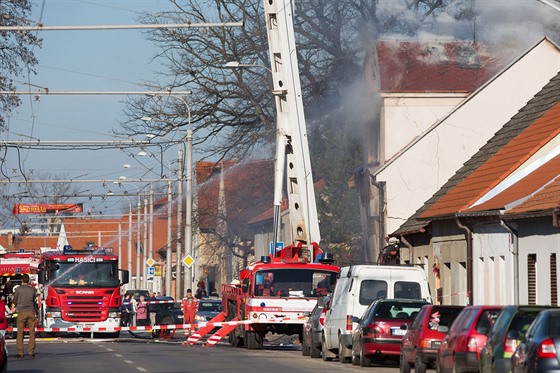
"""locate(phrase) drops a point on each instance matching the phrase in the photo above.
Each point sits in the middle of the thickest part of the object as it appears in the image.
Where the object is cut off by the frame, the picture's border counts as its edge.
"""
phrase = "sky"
(116, 60)
(120, 60)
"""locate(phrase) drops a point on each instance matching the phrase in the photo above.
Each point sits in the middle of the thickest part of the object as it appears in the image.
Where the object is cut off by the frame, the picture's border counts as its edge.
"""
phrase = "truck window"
(293, 283)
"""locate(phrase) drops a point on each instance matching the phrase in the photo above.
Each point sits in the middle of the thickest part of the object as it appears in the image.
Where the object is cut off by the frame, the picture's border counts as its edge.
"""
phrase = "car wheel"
(404, 365)
(365, 361)
(314, 351)
(326, 355)
(305, 350)
(419, 365)
(167, 333)
(253, 341)
(344, 353)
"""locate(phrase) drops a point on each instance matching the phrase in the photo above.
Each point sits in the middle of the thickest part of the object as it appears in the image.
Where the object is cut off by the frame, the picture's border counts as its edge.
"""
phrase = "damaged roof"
(414, 67)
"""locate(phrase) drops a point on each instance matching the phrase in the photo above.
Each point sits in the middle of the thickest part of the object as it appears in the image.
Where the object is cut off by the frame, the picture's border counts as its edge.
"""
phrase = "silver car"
(313, 328)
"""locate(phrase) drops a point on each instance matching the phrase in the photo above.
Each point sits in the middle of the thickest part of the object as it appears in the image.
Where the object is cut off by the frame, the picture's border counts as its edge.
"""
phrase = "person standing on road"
(126, 310)
(152, 308)
(4, 312)
(189, 306)
(142, 312)
(24, 302)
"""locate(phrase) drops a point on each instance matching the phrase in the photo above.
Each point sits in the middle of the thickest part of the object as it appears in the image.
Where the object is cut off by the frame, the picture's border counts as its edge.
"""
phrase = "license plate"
(398, 331)
(436, 344)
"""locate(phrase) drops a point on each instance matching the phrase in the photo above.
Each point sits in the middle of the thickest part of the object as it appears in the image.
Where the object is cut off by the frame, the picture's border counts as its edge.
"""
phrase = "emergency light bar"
(89, 250)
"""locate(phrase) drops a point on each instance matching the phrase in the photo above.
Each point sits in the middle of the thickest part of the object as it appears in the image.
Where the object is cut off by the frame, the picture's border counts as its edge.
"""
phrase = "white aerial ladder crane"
(292, 149)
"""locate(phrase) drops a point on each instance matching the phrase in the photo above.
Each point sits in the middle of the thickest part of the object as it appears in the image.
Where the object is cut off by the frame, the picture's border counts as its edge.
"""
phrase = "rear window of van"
(371, 290)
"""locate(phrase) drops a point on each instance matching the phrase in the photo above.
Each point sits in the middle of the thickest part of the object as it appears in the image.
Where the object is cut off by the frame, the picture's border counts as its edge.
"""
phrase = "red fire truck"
(278, 292)
(81, 289)
(13, 265)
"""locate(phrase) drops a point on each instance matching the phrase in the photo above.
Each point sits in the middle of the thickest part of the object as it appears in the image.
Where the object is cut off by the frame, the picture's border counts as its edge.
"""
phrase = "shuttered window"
(532, 278)
(553, 281)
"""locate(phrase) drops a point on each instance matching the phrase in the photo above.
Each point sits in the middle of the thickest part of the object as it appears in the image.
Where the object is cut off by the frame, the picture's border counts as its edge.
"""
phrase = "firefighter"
(189, 306)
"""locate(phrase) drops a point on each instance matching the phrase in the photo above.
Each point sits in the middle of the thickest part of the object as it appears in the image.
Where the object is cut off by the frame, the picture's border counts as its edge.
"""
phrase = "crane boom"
(292, 145)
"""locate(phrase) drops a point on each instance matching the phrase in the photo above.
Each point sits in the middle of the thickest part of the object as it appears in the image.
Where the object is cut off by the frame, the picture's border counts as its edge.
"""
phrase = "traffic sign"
(188, 261)
(151, 271)
(150, 262)
(279, 246)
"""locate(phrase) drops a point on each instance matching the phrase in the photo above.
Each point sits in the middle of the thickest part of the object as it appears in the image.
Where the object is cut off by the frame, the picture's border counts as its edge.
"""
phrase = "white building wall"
(492, 266)
(408, 115)
(413, 177)
(542, 245)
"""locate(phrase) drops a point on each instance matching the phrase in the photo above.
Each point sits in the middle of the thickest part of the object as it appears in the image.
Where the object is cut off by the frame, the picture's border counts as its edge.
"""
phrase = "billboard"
(46, 208)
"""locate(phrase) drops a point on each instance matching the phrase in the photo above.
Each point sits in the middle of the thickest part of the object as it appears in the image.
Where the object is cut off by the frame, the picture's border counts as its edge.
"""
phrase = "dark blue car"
(539, 350)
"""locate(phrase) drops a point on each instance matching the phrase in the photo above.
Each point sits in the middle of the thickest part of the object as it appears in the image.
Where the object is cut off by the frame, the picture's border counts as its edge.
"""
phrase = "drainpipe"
(515, 242)
(468, 236)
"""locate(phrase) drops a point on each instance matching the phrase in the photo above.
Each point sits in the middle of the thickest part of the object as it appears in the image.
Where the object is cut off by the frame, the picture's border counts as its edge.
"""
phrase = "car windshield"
(293, 283)
(84, 274)
(209, 306)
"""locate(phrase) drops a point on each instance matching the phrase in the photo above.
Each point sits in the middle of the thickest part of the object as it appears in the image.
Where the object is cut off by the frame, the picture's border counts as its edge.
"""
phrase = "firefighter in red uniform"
(189, 306)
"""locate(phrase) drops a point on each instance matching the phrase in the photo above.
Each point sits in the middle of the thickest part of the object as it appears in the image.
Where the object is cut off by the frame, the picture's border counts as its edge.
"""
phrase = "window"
(371, 290)
(294, 283)
(407, 290)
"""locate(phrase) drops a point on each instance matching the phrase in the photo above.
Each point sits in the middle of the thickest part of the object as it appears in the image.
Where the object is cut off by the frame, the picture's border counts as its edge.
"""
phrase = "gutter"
(468, 236)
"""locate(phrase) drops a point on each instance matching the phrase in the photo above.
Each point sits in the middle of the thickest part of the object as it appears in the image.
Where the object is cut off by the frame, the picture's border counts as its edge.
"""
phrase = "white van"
(356, 287)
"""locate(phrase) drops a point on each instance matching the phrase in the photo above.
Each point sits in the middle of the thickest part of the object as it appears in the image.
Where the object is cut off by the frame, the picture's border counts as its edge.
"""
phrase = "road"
(133, 355)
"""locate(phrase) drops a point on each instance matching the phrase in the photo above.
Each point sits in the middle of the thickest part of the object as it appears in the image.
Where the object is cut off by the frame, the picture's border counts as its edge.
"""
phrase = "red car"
(381, 329)
(460, 349)
(419, 346)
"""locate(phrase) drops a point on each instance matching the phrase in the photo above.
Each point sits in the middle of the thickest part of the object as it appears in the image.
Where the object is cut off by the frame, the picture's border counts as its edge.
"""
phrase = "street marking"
(141, 369)
(128, 361)
(118, 355)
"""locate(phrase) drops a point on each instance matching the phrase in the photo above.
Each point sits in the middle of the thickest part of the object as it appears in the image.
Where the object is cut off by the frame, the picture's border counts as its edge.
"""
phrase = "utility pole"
(178, 293)
(145, 246)
(169, 251)
(138, 283)
(188, 223)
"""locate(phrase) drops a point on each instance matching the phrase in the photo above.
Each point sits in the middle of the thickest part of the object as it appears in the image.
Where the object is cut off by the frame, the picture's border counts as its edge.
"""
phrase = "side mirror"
(125, 276)
(245, 285)
(41, 277)
(355, 319)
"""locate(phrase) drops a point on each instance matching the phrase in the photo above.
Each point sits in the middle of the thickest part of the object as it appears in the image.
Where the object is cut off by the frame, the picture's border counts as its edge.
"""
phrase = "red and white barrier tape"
(160, 327)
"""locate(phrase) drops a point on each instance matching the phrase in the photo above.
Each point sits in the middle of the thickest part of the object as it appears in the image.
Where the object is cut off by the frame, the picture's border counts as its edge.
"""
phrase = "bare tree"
(232, 110)
(16, 52)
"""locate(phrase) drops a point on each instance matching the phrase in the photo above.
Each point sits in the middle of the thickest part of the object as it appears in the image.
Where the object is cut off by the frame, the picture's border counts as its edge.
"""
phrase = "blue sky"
(116, 60)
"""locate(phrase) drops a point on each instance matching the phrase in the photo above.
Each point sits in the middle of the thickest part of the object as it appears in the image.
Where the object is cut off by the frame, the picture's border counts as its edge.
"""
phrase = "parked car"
(136, 293)
(539, 350)
(459, 350)
(512, 323)
(381, 328)
(313, 328)
(358, 286)
(419, 346)
(208, 308)
(167, 314)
